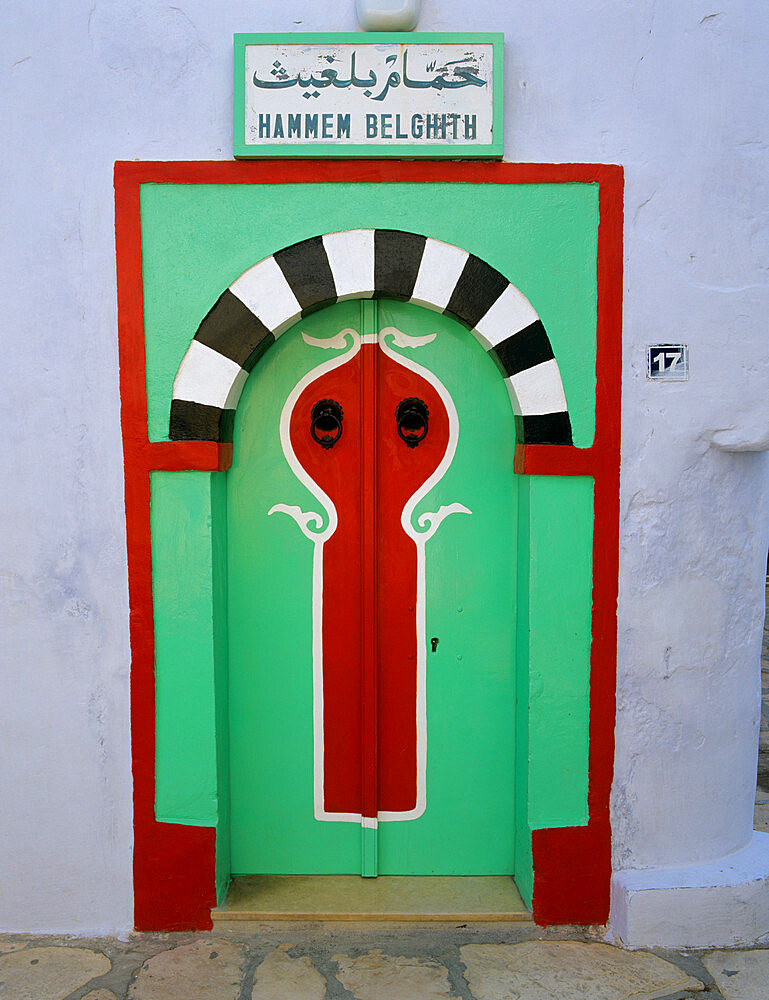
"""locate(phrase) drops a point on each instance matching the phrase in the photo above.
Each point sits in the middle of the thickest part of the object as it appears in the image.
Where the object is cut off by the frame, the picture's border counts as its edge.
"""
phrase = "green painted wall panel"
(560, 605)
(523, 867)
(196, 239)
(221, 678)
(182, 590)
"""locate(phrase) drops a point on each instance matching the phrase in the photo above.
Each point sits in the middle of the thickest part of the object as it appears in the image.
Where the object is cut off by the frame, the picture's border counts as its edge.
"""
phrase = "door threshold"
(387, 897)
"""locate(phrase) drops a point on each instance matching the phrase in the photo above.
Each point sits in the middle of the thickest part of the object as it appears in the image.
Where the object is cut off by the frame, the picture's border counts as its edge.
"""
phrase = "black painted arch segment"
(192, 421)
(397, 256)
(525, 349)
(478, 288)
(231, 329)
(259, 349)
(544, 428)
(306, 268)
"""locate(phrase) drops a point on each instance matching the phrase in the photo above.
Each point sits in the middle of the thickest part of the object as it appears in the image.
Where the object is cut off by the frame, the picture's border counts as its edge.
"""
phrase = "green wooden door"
(465, 825)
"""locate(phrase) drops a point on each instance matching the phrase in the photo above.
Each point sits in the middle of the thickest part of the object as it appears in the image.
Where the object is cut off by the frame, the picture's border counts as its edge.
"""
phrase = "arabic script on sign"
(347, 94)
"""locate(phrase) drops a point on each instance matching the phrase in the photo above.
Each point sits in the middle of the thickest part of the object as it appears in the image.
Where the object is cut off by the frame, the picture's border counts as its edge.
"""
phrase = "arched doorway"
(372, 636)
(171, 266)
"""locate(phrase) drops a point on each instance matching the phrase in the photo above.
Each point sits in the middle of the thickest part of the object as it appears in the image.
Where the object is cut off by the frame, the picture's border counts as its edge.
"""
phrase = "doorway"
(371, 601)
(183, 232)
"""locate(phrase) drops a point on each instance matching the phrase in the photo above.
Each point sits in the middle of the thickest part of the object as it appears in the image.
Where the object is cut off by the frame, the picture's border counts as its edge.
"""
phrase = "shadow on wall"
(761, 818)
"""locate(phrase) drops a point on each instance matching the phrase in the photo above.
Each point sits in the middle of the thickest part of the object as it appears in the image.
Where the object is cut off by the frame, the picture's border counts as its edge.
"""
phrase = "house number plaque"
(668, 362)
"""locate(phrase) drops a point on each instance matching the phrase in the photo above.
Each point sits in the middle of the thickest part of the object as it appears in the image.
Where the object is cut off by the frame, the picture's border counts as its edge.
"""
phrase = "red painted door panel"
(370, 571)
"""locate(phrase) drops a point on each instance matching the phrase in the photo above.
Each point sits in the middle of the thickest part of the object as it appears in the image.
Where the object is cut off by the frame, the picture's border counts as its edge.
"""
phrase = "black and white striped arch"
(272, 295)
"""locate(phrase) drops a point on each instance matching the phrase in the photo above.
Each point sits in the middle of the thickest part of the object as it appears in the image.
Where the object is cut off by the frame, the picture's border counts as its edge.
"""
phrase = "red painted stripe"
(337, 472)
(173, 865)
(553, 460)
(368, 590)
(201, 456)
(572, 866)
(363, 171)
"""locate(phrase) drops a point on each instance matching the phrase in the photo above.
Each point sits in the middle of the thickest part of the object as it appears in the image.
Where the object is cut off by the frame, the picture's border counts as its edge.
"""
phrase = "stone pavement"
(357, 961)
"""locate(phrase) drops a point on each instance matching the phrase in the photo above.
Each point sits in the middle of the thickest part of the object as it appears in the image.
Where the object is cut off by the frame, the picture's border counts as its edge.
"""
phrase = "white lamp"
(387, 15)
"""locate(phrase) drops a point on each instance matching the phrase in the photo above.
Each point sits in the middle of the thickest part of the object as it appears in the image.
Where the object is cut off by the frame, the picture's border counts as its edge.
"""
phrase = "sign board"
(668, 361)
(368, 94)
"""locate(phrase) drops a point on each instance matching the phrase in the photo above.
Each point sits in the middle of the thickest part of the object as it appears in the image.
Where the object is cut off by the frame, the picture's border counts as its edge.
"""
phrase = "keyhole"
(434, 643)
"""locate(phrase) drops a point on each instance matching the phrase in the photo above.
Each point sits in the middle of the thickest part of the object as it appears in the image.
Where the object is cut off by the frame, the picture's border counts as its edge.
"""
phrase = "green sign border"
(492, 150)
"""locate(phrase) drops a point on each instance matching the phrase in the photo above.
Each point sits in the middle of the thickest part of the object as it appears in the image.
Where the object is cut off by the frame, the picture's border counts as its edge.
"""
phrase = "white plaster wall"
(672, 90)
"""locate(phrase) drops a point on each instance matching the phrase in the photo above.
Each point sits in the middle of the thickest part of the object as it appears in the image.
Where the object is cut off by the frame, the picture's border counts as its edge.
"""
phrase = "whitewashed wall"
(672, 90)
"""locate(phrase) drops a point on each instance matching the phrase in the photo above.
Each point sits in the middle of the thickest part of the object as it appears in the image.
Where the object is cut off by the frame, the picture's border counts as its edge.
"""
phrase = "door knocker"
(411, 420)
(326, 422)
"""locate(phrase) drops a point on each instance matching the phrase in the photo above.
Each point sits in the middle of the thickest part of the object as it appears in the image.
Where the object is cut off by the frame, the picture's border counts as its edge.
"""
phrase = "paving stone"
(48, 973)
(8, 944)
(740, 975)
(553, 970)
(100, 995)
(376, 976)
(206, 970)
(279, 977)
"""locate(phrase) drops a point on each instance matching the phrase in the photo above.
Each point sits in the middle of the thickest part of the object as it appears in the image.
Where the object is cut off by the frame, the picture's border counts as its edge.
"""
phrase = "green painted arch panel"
(197, 239)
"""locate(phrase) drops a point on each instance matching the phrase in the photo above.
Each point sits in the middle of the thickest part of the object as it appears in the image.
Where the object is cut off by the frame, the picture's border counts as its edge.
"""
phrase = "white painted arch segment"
(539, 390)
(265, 291)
(511, 313)
(439, 272)
(351, 258)
(207, 377)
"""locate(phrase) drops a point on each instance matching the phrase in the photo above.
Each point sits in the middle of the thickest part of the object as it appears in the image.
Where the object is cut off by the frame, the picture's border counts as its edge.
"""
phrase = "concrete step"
(388, 897)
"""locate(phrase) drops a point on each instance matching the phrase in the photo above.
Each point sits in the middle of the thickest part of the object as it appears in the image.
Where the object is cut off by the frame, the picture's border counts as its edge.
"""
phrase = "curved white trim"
(301, 518)
(420, 538)
(404, 340)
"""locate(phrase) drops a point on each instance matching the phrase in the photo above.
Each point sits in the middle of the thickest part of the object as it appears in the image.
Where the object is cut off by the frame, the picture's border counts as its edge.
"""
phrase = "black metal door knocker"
(411, 420)
(326, 422)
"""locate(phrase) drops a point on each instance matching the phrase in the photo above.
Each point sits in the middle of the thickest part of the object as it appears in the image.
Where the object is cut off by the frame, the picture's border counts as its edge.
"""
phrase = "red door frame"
(174, 886)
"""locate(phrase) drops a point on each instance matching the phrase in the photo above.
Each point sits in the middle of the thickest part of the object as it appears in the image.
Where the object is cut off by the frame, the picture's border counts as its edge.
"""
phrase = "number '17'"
(672, 356)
